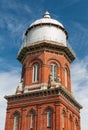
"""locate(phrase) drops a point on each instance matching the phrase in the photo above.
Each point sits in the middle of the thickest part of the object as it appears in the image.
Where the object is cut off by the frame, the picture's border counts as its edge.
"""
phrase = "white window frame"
(32, 121)
(53, 70)
(16, 118)
(49, 119)
(35, 73)
(70, 121)
(76, 125)
(66, 77)
(63, 120)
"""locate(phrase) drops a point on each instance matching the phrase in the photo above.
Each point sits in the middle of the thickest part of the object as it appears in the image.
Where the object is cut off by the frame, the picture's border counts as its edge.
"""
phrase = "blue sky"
(16, 16)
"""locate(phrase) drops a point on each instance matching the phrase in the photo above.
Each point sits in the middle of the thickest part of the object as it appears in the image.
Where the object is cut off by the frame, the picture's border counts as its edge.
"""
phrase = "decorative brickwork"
(43, 99)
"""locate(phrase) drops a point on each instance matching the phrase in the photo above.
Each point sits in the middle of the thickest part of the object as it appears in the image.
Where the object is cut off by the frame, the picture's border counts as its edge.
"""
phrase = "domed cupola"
(46, 28)
(42, 31)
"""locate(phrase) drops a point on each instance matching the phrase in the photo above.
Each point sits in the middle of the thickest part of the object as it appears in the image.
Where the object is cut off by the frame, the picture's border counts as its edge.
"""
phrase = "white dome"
(46, 19)
(46, 28)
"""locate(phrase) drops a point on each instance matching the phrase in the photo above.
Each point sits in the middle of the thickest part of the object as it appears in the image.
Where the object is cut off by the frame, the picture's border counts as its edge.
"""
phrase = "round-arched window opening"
(35, 73)
(53, 71)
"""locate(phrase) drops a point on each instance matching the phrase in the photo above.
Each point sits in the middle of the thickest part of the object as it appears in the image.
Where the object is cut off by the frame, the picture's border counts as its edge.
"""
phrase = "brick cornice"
(42, 94)
(48, 46)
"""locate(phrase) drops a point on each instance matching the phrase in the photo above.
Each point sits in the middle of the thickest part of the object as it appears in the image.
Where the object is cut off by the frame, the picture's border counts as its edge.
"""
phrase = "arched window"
(49, 118)
(70, 121)
(76, 124)
(32, 117)
(16, 119)
(31, 120)
(66, 77)
(63, 119)
(35, 73)
(48, 113)
(53, 71)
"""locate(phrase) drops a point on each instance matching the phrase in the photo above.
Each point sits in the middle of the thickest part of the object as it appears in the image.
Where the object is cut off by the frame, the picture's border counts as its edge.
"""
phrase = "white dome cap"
(46, 19)
(48, 29)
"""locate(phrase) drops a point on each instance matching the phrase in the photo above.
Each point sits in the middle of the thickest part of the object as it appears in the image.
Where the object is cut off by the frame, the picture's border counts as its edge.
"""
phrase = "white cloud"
(8, 83)
(69, 3)
(27, 8)
(78, 36)
(12, 15)
(80, 88)
(72, 2)
(14, 19)
(81, 31)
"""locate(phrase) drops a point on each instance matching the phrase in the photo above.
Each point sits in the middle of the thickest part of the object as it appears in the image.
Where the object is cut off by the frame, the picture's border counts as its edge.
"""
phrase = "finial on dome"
(47, 15)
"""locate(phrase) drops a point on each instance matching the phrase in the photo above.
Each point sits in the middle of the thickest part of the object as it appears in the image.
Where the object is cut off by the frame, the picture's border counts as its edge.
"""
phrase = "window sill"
(48, 126)
(35, 82)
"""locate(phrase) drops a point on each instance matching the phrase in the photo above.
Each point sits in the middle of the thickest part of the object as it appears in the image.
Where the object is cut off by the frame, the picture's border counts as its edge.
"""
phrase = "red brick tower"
(43, 98)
